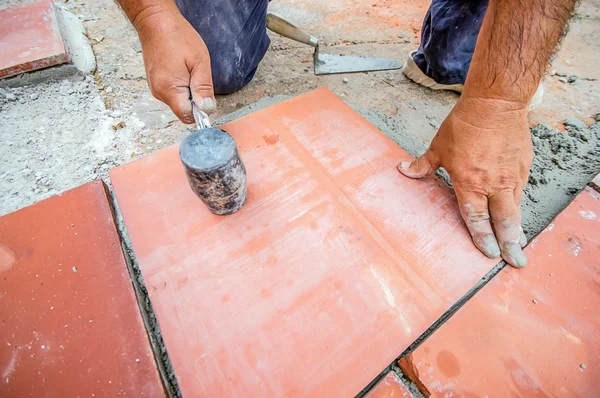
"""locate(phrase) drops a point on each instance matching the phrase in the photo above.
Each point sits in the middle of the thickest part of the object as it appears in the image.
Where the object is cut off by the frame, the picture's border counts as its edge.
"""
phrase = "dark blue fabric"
(448, 39)
(236, 36)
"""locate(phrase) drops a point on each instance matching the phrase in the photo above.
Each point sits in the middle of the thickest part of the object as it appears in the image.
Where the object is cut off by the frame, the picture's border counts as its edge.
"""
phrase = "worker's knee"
(230, 76)
(236, 36)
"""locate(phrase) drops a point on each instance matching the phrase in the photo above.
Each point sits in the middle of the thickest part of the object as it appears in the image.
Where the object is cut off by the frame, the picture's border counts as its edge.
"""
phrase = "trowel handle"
(284, 28)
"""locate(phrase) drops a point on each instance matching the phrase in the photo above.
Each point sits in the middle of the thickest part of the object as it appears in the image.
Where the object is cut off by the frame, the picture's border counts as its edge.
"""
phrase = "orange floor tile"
(333, 267)
(70, 324)
(389, 386)
(30, 39)
(528, 333)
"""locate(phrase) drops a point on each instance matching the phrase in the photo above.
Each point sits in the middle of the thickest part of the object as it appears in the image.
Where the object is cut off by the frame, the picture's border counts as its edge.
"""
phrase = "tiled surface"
(533, 332)
(29, 38)
(389, 386)
(70, 325)
(336, 262)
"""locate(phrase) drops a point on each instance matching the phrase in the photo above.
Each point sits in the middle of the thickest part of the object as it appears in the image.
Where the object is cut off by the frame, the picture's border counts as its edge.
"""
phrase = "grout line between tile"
(159, 349)
(374, 382)
(440, 321)
(452, 310)
(455, 307)
(412, 387)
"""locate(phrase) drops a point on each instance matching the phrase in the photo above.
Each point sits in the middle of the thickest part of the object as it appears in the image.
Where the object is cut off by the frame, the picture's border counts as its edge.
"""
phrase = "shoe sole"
(414, 73)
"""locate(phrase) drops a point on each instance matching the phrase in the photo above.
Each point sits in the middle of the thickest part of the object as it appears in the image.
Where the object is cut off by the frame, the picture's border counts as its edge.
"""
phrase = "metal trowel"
(327, 64)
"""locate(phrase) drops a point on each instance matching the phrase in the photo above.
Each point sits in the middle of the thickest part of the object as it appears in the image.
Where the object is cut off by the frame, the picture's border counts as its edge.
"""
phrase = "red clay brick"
(335, 264)
(389, 386)
(70, 324)
(530, 333)
(30, 39)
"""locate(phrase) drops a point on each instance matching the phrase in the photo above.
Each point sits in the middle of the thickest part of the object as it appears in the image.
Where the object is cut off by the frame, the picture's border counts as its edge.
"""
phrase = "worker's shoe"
(414, 73)
(537, 97)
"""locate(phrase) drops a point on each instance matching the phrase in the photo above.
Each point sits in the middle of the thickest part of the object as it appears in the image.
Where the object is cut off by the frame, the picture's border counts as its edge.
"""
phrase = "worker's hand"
(177, 63)
(485, 146)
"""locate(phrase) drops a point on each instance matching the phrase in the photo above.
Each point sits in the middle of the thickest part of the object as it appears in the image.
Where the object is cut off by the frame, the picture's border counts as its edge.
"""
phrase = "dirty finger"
(506, 220)
(523, 239)
(474, 211)
(518, 199)
(425, 165)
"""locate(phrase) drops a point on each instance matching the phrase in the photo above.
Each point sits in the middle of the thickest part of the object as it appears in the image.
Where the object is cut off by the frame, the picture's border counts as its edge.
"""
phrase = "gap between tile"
(439, 322)
(161, 357)
(452, 310)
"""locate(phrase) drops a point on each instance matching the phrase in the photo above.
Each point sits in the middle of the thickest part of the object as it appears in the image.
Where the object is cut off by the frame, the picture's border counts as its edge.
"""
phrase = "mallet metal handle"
(201, 118)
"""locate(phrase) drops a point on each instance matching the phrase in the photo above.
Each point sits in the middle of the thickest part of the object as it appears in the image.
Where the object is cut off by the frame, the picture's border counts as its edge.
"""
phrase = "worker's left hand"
(485, 146)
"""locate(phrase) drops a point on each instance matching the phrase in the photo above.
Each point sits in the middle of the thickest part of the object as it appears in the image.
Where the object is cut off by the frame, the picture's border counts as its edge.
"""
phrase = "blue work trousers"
(236, 36)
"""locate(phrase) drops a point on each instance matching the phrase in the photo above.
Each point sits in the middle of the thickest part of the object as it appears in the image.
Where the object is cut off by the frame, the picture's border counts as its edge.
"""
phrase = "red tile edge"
(139, 295)
(35, 65)
(157, 347)
(595, 183)
(412, 373)
(60, 57)
(389, 386)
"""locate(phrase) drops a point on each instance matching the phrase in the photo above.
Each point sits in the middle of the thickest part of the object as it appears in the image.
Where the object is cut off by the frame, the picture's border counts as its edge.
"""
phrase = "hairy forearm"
(515, 44)
(144, 12)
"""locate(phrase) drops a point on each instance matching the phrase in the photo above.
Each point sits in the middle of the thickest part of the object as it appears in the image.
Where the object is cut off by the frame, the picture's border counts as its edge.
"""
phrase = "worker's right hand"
(177, 62)
(485, 146)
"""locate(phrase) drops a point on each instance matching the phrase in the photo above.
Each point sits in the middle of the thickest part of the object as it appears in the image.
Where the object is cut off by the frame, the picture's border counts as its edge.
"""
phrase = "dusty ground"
(60, 134)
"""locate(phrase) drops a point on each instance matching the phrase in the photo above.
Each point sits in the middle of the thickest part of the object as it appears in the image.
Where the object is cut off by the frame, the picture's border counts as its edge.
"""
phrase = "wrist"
(155, 18)
(501, 90)
(488, 112)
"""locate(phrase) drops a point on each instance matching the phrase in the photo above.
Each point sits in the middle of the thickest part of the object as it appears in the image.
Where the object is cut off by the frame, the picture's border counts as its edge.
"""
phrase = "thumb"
(178, 99)
(422, 167)
(201, 87)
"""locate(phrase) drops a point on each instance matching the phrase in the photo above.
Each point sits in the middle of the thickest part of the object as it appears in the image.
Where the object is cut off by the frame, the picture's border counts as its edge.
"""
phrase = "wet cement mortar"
(564, 162)
(410, 385)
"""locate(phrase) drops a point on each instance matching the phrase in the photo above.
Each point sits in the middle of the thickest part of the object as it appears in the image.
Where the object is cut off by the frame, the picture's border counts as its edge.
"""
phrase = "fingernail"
(404, 165)
(523, 239)
(513, 254)
(187, 117)
(208, 104)
(488, 245)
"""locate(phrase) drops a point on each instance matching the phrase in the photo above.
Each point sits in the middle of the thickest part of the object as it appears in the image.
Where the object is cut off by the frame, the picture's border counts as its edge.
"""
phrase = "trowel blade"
(327, 64)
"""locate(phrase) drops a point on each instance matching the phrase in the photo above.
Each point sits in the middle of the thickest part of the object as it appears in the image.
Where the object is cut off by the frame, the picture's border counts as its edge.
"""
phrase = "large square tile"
(69, 321)
(334, 266)
(30, 38)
